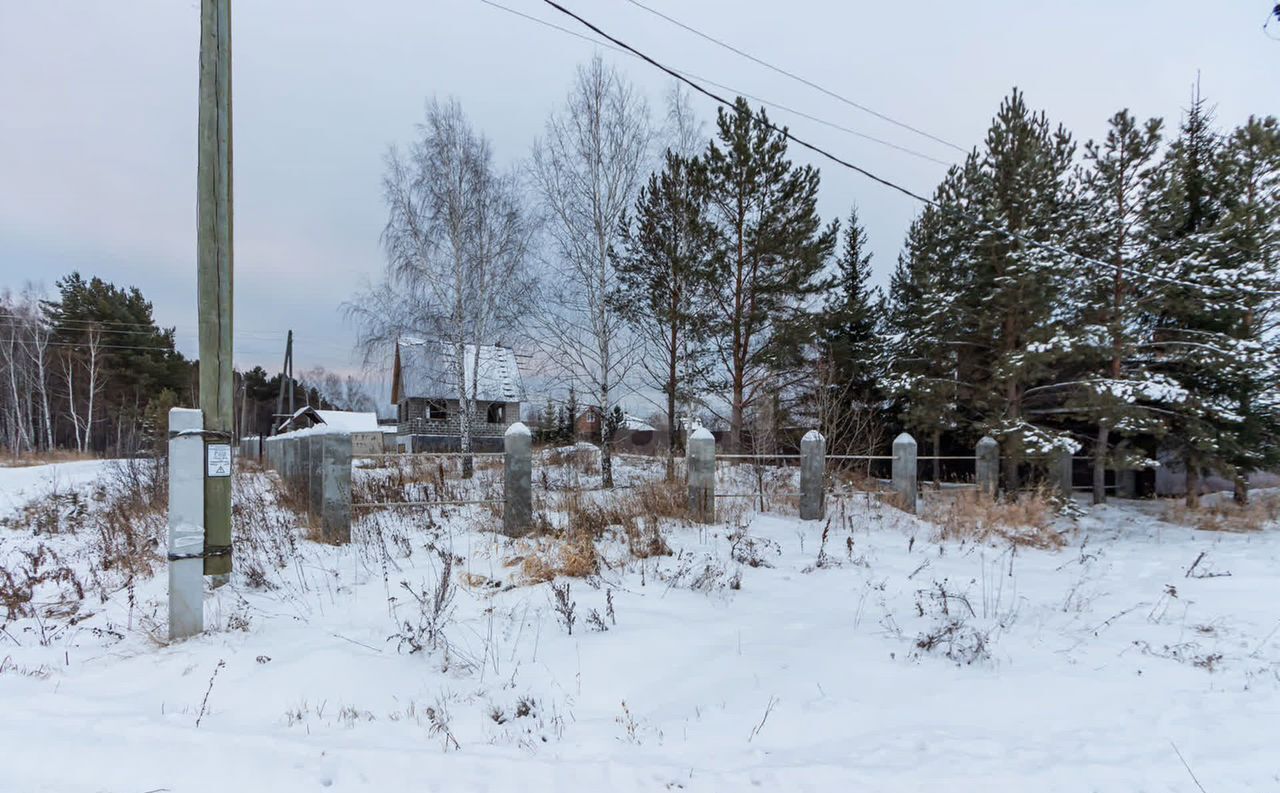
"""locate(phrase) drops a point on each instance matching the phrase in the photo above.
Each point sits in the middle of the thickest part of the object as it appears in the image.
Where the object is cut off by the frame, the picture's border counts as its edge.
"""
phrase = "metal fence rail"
(396, 504)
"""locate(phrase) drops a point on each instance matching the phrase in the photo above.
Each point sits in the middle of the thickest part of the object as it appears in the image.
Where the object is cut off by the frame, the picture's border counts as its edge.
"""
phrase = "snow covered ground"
(756, 656)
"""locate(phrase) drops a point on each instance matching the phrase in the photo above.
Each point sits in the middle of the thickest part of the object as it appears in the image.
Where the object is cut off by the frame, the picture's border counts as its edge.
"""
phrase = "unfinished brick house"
(425, 391)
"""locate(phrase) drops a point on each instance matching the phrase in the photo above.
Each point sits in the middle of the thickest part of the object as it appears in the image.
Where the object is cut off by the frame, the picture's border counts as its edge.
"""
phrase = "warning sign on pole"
(218, 459)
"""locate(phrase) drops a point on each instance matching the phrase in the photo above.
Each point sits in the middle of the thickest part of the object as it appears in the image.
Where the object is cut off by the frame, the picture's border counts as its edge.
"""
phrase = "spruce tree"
(571, 417)
(1192, 327)
(848, 359)
(928, 320)
(1246, 243)
(770, 248)
(850, 320)
(662, 269)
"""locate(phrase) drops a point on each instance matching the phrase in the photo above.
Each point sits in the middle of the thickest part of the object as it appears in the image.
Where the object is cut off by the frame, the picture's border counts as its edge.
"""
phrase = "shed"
(366, 435)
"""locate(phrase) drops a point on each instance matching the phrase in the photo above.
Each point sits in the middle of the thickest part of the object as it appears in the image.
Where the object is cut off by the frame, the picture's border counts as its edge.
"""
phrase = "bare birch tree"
(456, 241)
(12, 357)
(38, 354)
(84, 361)
(587, 170)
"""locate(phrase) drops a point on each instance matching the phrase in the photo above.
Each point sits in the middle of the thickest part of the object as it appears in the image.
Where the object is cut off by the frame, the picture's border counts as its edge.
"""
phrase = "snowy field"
(756, 656)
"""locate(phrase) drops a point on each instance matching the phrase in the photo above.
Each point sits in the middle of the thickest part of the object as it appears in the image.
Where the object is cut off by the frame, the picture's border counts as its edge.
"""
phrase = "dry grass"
(424, 478)
(125, 518)
(1226, 515)
(546, 558)
(47, 457)
(967, 514)
(565, 544)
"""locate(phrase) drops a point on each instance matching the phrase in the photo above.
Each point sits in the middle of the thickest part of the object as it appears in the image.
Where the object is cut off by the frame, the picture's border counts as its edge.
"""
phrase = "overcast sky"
(98, 116)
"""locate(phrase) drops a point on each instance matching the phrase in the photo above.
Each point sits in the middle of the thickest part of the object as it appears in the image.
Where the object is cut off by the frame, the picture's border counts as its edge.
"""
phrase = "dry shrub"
(264, 530)
(133, 518)
(854, 478)
(56, 512)
(892, 498)
(584, 458)
(564, 538)
(967, 514)
(1226, 515)
(39, 567)
(663, 498)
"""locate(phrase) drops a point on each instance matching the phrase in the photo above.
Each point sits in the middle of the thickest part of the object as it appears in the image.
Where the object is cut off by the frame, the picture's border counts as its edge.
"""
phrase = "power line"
(798, 78)
(731, 89)
(881, 180)
(77, 345)
(136, 328)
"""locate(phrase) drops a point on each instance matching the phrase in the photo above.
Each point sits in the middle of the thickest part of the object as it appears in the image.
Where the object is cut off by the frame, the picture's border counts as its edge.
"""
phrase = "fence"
(317, 467)
(701, 458)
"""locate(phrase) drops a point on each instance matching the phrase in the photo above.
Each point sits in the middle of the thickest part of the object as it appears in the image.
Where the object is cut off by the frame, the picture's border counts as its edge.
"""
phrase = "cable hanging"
(881, 180)
(798, 78)
(760, 100)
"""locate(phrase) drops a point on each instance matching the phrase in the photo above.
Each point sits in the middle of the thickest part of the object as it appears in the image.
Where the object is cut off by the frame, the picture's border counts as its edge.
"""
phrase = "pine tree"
(1024, 194)
(1115, 391)
(662, 270)
(770, 250)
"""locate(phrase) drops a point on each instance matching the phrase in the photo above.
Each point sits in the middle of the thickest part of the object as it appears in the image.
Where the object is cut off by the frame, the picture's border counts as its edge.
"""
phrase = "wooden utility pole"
(286, 376)
(214, 283)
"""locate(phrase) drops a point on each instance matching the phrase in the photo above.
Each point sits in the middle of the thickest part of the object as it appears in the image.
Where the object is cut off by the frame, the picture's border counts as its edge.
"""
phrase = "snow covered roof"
(428, 368)
(333, 420)
(633, 424)
(347, 421)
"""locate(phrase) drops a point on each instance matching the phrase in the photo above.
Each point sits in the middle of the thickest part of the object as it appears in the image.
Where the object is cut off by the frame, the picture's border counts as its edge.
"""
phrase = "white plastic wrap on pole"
(186, 523)
(813, 455)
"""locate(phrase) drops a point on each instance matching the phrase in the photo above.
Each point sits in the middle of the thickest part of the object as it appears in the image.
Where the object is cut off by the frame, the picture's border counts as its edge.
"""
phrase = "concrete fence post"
(1062, 472)
(1126, 477)
(517, 480)
(904, 471)
(313, 455)
(335, 488)
(295, 466)
(813, 461)
(987, 466)
(1126, 483)
(186, 523)
(701, 464)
